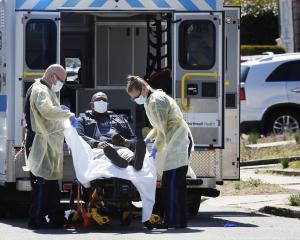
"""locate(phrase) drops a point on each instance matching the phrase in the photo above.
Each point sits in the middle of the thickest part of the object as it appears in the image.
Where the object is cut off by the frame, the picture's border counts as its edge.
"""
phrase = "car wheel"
(283, 122)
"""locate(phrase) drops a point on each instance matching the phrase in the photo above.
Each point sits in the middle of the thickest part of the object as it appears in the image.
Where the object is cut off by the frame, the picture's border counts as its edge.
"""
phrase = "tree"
(255, 7)
(259, 21)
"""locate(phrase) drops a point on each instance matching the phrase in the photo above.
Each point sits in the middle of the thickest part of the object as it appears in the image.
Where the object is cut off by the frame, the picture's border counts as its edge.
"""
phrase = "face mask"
(140, 100)
(100, 106)
(56, 87)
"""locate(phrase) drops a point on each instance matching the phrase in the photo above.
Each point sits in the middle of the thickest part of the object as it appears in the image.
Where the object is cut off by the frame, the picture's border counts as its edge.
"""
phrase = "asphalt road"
(209, 224)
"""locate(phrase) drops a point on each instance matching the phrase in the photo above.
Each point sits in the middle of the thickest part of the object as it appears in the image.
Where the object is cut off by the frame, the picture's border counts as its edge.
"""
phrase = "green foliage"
(247, 50)
(295, 165)
(295, 200)
(254, 182)
(284, 162)
(250, 183)
(259, 22)
(262, 29)
(237, 186)
(253, 137)
(255, 7)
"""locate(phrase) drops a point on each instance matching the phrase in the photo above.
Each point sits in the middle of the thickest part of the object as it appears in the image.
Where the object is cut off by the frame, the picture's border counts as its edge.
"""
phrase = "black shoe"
(151, 226)
(41, 225)
(114, 157)
(176, 225)
(139, 154)
(58, 222)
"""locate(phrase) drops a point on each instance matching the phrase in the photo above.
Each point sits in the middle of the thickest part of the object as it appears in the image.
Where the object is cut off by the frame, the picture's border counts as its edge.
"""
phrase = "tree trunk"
(296, 20)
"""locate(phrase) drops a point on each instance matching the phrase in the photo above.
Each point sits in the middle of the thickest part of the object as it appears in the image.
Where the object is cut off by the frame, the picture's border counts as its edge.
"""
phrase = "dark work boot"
(114, 157)
(139, 154)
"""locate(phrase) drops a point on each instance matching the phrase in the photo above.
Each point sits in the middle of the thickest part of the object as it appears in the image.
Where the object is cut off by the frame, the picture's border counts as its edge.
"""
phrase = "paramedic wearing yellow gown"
(171, 148)
(44, 146)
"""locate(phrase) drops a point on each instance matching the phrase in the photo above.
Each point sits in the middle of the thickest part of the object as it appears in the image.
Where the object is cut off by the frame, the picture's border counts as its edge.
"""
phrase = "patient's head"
(99, 102)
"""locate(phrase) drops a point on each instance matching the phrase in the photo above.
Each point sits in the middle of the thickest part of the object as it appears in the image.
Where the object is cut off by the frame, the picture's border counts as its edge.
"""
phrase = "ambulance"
(188, 48)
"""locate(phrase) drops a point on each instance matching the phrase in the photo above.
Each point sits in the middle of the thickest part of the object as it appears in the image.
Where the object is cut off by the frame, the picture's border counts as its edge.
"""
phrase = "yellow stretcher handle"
(187, 76)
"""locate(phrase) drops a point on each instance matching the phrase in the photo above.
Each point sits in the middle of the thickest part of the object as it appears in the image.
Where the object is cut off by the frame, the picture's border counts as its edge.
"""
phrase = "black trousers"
(174, 195)
(45, 196)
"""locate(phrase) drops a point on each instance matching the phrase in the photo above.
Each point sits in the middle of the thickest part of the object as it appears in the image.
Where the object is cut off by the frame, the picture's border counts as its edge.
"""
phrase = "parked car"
(270, 94)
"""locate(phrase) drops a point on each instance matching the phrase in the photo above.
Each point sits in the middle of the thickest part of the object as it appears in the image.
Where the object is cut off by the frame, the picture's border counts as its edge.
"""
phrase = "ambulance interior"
(99, 50)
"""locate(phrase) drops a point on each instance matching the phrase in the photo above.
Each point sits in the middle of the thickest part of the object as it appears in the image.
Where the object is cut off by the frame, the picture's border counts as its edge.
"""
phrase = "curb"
(282, 212)
(266, 161)
(284, 172)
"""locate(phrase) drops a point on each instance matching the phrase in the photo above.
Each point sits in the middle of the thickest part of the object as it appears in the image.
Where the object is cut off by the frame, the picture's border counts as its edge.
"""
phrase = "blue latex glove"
(63, 107)
(73, 121)
(153, 153)
(147, 141)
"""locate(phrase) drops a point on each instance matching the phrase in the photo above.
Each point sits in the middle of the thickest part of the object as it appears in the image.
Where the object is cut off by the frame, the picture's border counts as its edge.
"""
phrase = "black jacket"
(89, 131)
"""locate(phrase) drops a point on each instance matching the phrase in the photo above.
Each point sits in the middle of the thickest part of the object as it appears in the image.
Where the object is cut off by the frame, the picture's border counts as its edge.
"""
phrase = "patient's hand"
(102, 145)
(126, 143)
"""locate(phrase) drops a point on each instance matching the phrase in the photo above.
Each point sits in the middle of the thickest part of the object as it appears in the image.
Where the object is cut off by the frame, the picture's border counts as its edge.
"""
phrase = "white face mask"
(56, 87)
(140, 100)
(100, 106)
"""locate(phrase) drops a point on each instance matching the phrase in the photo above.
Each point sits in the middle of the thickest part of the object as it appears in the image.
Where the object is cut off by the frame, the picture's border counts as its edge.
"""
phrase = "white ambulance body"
(100, 42)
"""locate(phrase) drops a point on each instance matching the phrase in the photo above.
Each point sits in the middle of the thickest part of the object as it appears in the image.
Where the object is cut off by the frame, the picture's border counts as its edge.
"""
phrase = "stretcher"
(105, 199)
(103, 194)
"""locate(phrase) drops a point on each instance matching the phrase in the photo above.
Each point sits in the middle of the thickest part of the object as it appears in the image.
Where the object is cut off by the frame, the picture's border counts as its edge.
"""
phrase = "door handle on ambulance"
(187, 76)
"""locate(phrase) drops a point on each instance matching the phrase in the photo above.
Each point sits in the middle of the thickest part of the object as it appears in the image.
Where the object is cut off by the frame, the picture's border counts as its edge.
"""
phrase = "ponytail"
(136, 83)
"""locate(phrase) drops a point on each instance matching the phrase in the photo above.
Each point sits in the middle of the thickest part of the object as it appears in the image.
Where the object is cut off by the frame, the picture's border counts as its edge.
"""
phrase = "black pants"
(45, 196)
(174, 195)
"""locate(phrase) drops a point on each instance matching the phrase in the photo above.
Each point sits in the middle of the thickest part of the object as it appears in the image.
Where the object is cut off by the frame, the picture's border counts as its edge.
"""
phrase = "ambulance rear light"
(67, 186)
(242, 94)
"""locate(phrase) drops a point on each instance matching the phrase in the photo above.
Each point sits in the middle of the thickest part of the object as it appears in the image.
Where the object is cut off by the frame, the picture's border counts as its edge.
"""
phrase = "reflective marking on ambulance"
(179, 5)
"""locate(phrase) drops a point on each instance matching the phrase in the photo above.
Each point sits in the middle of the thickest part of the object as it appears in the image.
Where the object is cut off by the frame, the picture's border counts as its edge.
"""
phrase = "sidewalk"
(289, 182)
(275, 204)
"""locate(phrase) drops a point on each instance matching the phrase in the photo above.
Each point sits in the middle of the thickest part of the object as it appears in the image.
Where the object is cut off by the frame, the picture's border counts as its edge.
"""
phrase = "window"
(73, 68)
(288, 71)
(41, 40)
(197, 44)
(244, 73)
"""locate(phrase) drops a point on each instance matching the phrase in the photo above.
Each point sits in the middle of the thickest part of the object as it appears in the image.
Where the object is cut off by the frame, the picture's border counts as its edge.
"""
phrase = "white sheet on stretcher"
(91, 164)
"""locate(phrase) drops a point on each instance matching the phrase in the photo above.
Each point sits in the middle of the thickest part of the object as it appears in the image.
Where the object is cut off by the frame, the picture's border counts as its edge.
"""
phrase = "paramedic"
(99, 126)
(44, 147)
(171, 148)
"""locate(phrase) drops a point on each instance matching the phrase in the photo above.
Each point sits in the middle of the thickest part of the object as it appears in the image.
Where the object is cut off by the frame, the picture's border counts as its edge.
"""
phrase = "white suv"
(270, 94)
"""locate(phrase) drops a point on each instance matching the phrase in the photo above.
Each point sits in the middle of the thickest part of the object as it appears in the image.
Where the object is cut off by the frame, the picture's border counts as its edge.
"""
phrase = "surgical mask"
(100, 106)
(56, 87)
(140, 100)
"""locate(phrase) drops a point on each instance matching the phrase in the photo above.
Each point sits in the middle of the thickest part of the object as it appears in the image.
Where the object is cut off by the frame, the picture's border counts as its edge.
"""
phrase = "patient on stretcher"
(96, 163)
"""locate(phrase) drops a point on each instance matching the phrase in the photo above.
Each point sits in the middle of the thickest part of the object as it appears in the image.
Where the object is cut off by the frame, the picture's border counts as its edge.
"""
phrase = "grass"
(285, 151)
(253, 138)
(294, 165)
(251, 187)
(297, 137)
(284, 163)
(294, 200)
